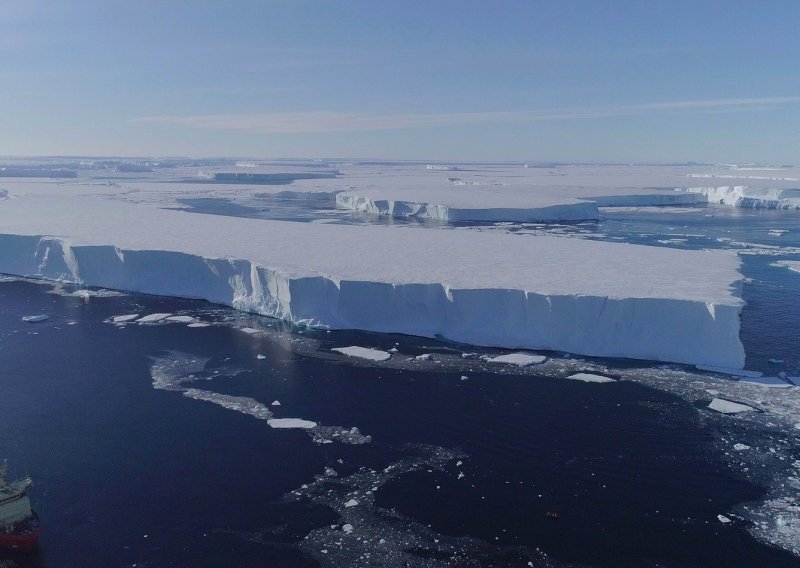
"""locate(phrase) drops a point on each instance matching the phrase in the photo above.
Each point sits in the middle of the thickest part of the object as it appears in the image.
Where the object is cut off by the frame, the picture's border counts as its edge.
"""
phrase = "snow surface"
(363, 353)
(592, 298)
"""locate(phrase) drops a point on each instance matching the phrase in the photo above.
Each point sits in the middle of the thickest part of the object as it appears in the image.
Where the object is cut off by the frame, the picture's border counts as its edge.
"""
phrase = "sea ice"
(424, 357)
(291, 423)
(351, 503)
(728, 407)
(182, 319)
(773, 382)
(363, 353)
(153, 318)
(521, 359)
(740, 447)
(591, 378)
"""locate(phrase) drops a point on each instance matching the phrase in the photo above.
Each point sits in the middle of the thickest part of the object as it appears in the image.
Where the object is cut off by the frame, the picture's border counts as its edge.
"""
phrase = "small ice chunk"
(291, 423)
(393, 350)
(152, 318)
(521, 359)
(723, 519)
(249, 330)
(347, 528)
(464, 377)
(363, 353)
(276, 403)
(199, 324)
(728, 407)
(591, 378)
(123, 319)
(34, 319)
(469, 355)
(351, 503)
(260, 356)
(775, 361)
(726, 371)
(424, 357)
(740, 447)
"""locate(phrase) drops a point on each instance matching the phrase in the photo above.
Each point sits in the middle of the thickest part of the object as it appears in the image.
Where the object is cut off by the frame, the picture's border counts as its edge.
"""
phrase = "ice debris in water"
(363, 353)
(723, 519)
(728, 407)
(260, 356)
(521, 359)
(424, 357)
(740, 447)
(34, 319)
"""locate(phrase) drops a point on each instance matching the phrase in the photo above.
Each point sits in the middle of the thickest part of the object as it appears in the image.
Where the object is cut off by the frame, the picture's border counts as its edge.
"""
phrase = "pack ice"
(481, 288)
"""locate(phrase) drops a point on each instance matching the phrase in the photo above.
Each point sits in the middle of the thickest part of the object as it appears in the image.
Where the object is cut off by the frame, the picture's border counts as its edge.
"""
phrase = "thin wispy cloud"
(326, 121)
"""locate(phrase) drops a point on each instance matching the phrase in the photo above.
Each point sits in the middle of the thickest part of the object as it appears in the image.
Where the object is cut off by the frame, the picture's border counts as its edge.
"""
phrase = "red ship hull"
(24, 537)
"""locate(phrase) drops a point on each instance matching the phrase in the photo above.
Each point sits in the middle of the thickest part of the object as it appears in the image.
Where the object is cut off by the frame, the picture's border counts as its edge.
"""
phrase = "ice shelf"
(490, 289)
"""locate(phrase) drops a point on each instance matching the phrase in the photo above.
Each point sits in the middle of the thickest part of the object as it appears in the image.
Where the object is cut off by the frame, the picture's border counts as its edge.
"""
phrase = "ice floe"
(520, 359)
(363, 353)
(591, 378)
(729, 407)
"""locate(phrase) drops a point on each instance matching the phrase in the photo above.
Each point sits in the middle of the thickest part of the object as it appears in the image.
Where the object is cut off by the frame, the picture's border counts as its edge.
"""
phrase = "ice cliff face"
(749, 197)
(576, 211)
(665, 329)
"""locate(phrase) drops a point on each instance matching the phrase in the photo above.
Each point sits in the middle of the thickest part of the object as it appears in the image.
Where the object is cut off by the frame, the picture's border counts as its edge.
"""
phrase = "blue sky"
(566, 81)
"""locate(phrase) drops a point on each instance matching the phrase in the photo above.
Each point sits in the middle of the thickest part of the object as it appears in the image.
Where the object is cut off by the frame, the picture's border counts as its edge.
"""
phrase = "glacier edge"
(637, 328)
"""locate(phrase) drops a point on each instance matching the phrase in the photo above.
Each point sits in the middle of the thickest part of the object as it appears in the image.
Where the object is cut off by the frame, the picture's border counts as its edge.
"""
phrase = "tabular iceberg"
(550, 293)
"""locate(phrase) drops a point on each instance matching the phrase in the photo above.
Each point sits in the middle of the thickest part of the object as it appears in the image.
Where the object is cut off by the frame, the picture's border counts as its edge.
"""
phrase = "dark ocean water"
(130, 475)
(465, 472)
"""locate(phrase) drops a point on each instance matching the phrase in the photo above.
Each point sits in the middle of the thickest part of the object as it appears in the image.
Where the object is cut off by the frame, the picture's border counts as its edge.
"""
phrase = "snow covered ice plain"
(640, 271)
(576, 295)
